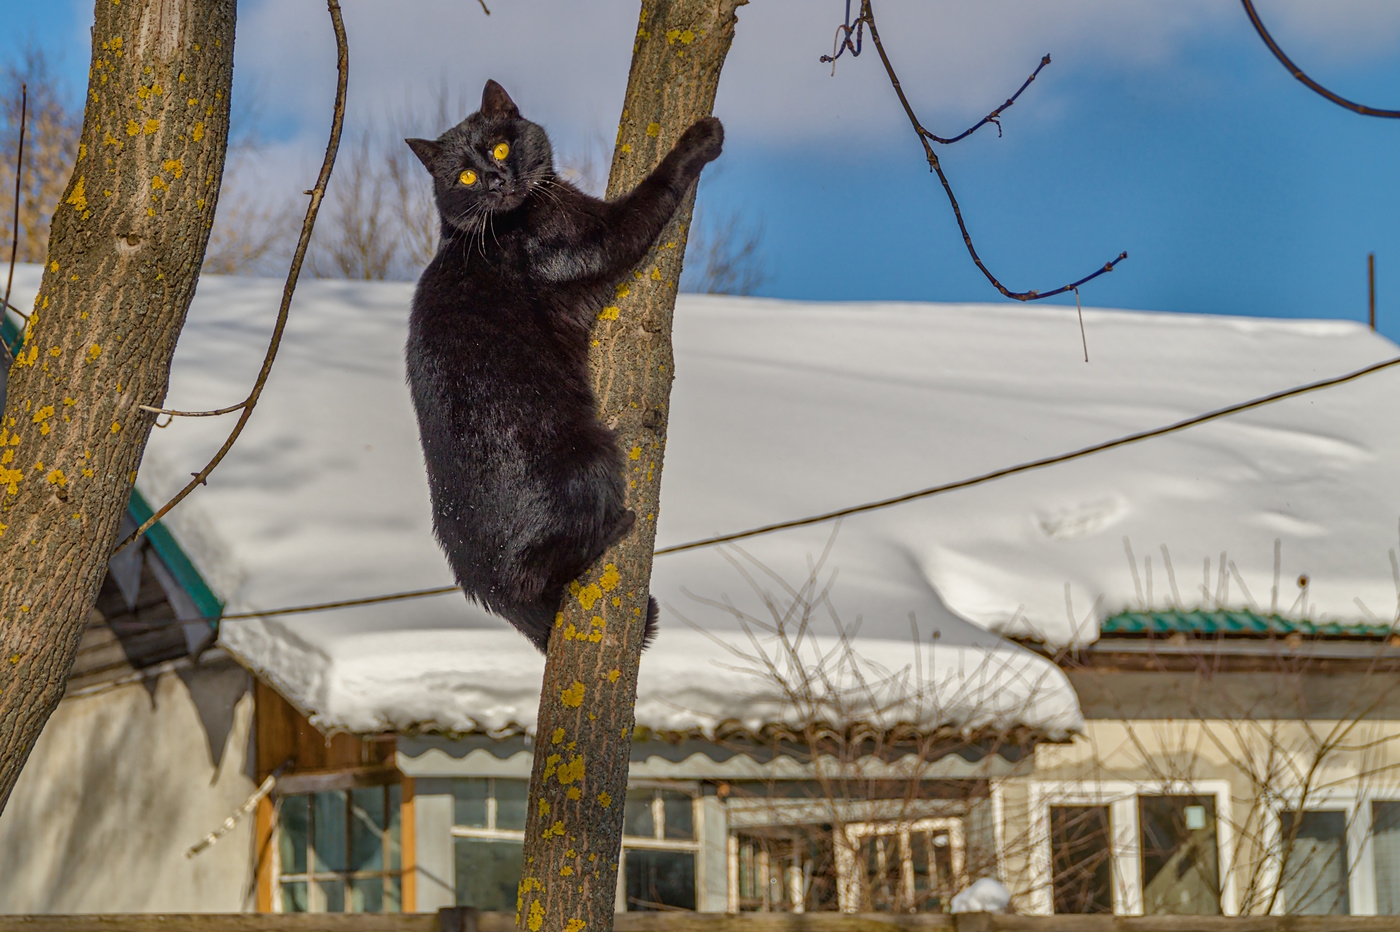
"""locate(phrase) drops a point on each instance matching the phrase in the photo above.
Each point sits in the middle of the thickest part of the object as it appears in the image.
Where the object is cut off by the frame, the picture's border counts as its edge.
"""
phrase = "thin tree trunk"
(124, 255)
(578, 785)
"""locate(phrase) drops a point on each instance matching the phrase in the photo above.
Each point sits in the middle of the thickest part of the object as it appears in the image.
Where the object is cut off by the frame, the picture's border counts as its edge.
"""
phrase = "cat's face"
(487, 164)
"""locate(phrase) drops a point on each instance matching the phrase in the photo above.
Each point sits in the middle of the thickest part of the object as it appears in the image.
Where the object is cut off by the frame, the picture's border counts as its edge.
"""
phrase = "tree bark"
(578, 784)
(124, 255)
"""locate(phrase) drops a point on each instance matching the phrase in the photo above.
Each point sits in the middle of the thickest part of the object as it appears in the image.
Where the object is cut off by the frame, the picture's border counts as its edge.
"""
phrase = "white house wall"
(120, 784)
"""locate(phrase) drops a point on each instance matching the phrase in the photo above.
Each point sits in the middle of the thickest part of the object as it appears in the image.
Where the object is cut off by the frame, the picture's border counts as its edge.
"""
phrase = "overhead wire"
(862, 508)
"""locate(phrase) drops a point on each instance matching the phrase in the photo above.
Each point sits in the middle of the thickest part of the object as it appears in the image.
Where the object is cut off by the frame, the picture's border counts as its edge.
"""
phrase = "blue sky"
(1163, 129)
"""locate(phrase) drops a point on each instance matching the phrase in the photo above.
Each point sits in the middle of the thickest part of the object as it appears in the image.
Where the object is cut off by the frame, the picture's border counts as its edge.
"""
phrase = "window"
(488, 829)
(1385, 849)
(658, 849)
(1081, 856)
(1313, 852)
(1180, 863)
(339, 851)
(901, 867)
(787, 869)
(488, 838)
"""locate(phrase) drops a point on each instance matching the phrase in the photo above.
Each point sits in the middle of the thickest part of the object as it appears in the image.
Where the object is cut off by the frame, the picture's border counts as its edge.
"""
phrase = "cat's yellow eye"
(501, 151)
(467, 177)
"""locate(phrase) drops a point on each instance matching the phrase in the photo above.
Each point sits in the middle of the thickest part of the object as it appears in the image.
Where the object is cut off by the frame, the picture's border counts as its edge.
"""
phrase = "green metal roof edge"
(10, 332)
(175, 559)
(1234, 622)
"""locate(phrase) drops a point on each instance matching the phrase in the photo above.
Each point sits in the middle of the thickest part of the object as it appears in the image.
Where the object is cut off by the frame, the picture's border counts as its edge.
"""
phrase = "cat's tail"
(649, 633)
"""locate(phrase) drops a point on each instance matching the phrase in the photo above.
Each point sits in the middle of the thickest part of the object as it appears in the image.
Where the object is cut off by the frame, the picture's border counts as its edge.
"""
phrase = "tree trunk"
(578, 785)
(124, 254)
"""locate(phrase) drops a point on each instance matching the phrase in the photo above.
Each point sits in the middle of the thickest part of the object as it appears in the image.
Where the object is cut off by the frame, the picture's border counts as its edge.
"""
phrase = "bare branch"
(14, 230)
(1302, 76)
(867, 18)
(317, 193)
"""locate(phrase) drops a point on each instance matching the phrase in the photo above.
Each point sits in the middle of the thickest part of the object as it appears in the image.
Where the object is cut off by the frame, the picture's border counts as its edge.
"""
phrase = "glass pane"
(487, 873)
(328, 835)
(659, 880)
(1313, 863)
(367, 830)
(1385, 844)
(1180, 863)
(469, 803)
(511, 797)
(925, 880)
(1081, 856)
(293, 824)
(334, 893)
(882, 885)
(818, 856)
(367, 895)
(392, 840)
(637, 819)
(679, 812)
(780, 868)
(393, 903)
(750, 886)
(294, 897)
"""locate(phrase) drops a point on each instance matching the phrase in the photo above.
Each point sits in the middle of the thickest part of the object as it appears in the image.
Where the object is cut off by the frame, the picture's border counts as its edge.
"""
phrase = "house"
(858, 716)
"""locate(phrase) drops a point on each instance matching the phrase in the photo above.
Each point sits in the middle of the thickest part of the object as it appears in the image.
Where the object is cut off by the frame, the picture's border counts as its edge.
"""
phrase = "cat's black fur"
(527, 487)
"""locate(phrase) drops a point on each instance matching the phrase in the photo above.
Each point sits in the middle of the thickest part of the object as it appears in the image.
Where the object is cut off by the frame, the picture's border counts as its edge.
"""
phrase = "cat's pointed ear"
(495, 101)
(427, 151)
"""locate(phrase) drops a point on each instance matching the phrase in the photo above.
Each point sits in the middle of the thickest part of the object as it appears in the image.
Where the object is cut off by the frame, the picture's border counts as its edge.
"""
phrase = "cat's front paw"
(704, 141)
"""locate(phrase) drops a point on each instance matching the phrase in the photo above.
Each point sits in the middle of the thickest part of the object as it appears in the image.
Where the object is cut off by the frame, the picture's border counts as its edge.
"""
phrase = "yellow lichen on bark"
(110, 306)
(590, 680)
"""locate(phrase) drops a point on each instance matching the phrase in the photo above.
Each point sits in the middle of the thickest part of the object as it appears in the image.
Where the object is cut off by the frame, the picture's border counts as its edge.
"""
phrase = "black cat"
(527, 487)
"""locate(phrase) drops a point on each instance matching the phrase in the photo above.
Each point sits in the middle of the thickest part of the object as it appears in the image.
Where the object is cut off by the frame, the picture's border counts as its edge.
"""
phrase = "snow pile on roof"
(782, 410)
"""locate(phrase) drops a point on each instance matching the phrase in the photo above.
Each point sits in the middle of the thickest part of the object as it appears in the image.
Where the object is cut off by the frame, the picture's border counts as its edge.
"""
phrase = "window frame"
(1356, 807)
(1365, 903)
(854, 833)
(1112, 869)
(658, 840)
(491, 833)
(309, 788)
(1274, 838)
(1121, 798)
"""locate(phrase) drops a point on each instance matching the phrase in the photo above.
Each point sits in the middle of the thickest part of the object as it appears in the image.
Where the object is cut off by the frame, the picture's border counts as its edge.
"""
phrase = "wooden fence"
(456, 921)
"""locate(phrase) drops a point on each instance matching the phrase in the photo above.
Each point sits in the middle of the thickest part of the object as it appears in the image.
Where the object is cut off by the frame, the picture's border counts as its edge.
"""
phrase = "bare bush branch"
(51, 146)
(724, 255)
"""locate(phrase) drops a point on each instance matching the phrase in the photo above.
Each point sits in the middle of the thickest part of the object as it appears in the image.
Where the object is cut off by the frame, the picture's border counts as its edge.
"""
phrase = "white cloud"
(566, 62)
(1333, 32)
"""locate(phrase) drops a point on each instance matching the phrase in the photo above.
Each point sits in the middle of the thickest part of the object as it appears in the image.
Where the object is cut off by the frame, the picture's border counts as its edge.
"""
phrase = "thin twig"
(1036, 464)
(1083, 338)
(317, 193)
(14, 229)
(483, 7)
(1302, 76)
(867, 16)
(215, 413)
(238, 814)
(994, 116)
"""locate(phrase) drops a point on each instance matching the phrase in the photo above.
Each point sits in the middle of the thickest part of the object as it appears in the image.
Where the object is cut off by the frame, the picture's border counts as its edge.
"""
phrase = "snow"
(782, 410)
(987, 895)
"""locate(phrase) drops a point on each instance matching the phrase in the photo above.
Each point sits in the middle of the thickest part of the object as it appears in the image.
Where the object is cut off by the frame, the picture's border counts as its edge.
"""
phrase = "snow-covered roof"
(781, 410)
